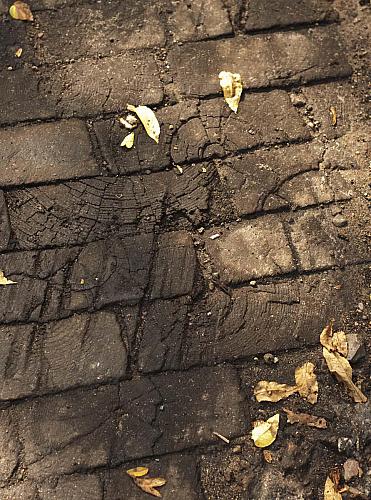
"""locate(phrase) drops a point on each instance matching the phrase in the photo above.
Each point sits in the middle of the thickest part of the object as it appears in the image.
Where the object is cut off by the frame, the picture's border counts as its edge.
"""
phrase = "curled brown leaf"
(340, 367)
(150, 484)
(306, 419)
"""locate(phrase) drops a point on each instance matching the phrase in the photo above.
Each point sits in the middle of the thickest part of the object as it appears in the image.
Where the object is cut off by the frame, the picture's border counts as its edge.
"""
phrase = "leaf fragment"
(149, 120)
(149, 485)
(231, 84)
(272, 391)
(268, 457)
(305, 419)
(334, 341)
(137, 471)
(340, 367)
(128, 141)
(331, 491)
(333, 115)
(306, 381)
(264, 433)
(21, 11)
(4, 280)
(129, 122)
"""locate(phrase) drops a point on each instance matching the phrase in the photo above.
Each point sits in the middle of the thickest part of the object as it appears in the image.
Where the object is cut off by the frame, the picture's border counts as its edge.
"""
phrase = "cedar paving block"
(196, 20)
(81, 88)
(262, 119)
(311, 188)
(53, 284)
(320, 244)
(90, 209)
(262, 60)
(252, 179)
(180, 471)
(46, 152)
(266, 14)
(89, 428)
(162, 331)
(67, 432)
(248, 251)
(269, 317)
(108, 28)
(77, 351)
(85, 210)
(24, 96)
(4, 223)
(174, 266)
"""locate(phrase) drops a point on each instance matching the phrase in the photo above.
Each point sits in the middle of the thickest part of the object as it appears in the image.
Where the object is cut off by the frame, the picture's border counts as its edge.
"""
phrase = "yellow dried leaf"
(331, 491)
(231, 84)
(18, 52)
(272, 391)
(340, 366)
(264, 433)
(306, 382)
(137, 471)
(128, 141)
(150, 484)
(334, 341)
(333, 114)
(149, 120)
(21, 11)
(4, 280)
(306, 419)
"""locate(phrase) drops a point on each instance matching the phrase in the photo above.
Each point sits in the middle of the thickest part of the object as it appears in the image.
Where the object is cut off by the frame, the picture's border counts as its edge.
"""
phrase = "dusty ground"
(151, 282)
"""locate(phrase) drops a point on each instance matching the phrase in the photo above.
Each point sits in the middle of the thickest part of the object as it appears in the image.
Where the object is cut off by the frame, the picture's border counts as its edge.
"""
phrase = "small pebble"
(351, 469)
(201, 230)
(214, 236)
(339, 221)
(237, 449)
(356, 348)
(270, 359)
(252, 283)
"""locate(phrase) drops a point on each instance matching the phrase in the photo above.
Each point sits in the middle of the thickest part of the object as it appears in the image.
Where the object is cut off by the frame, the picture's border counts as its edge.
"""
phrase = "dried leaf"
(129, 122)
(149, 120)
(306, 382)
(128, 141)
(333, 115)
(272, 391)
(306, 419)
(268, 457)
(331, 492)
(21, 11)
(137, 471)
(340, 366)
(4, 280)
(264, 433)
(231, 84)
(149, 484)
(18, 52)
(334, 341)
